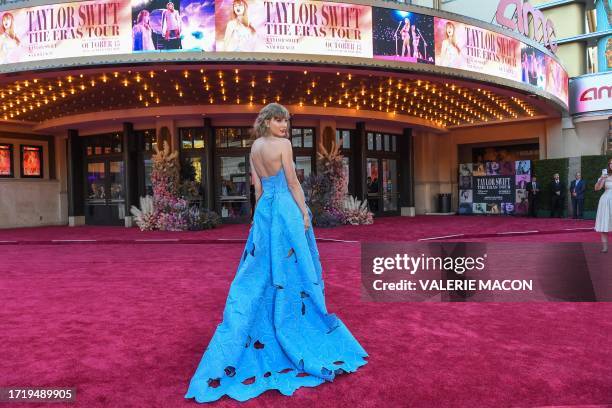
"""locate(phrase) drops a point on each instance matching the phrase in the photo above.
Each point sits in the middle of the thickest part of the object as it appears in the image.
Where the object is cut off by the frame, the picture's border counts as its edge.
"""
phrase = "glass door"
(389, 186)
(105, 200)
(234, 188)
(382, 173)
(373, 184)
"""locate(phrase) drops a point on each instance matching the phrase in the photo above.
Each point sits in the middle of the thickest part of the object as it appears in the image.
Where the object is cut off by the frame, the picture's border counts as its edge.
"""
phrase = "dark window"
(343, 138)
(233, 137)
(302, 137)
(192, 138)
(109, 143)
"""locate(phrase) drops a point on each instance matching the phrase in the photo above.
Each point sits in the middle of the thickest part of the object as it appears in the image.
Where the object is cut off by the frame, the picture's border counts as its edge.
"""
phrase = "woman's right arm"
(292, 181)
(600, 183)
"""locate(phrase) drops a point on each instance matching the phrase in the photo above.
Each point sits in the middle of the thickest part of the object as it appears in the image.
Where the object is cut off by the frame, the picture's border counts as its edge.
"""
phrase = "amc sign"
(591, 93)
(543, 29)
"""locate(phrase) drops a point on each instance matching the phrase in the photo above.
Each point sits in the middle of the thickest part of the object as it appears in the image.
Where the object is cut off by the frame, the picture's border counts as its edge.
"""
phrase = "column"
(76, 178)
(360, 151)
(406, 173)
(210, 179)
(130, 150)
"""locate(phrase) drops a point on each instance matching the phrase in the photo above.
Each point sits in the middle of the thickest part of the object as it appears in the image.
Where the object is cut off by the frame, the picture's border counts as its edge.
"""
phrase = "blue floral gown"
(276, 332)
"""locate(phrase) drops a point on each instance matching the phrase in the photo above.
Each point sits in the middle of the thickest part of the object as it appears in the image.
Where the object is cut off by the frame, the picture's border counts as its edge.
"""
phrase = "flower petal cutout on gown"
(276, 331)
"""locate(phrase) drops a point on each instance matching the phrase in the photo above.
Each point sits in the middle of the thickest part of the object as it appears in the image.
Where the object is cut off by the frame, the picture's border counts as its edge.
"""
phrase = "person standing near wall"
(577, 189)
(533, 191)
(557, 192)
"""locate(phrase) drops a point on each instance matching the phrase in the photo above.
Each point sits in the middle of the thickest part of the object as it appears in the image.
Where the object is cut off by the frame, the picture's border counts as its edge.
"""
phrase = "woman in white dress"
(142, 34)
(239, 33)
(450, 52)
(603, 222)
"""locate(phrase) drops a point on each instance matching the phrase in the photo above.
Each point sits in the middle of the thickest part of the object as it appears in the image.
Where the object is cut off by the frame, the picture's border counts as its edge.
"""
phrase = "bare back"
(266, 155)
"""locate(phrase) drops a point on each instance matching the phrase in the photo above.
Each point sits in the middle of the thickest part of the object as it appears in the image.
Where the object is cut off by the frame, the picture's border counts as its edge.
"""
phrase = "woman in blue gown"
(276, 331)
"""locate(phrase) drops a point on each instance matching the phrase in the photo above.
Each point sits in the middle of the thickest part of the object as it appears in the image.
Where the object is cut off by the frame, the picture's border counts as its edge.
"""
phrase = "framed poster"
(6, 160)
(31, 161)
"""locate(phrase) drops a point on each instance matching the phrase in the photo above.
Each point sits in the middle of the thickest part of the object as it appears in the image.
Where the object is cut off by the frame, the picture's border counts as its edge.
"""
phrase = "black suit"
(556, 200)
(578, 200)
(533, 194)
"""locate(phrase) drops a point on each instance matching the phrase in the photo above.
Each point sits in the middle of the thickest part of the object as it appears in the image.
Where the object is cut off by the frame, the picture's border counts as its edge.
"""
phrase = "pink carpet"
(126, 323)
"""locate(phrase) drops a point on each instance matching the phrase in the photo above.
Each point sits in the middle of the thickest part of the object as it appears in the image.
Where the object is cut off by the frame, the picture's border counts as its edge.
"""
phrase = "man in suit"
(557, 197)
(577, 189)
(533, 192)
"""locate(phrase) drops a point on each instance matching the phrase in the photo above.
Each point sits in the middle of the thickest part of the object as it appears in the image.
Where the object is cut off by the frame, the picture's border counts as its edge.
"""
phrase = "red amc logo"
(542, 30)
(592, 94)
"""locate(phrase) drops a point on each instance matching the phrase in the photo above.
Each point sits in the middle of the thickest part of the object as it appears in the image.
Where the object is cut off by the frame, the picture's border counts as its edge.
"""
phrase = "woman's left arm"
(255, 180)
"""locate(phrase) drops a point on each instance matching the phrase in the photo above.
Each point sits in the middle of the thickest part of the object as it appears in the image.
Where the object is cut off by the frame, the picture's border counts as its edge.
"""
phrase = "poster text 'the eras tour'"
(71, 22)
(309, 19)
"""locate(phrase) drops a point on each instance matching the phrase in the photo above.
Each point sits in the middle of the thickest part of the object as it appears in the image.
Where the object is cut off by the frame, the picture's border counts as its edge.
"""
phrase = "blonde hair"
(244, 19)
(141, 17)
(272, 110)
(10, 32)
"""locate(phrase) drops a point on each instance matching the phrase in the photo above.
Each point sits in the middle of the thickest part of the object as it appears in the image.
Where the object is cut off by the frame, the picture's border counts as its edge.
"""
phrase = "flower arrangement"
(327, 192)
(167, 210)
(356, 212)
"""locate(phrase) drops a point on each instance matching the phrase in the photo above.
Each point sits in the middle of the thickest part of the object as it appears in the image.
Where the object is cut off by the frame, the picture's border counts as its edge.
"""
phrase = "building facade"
(88, 89)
